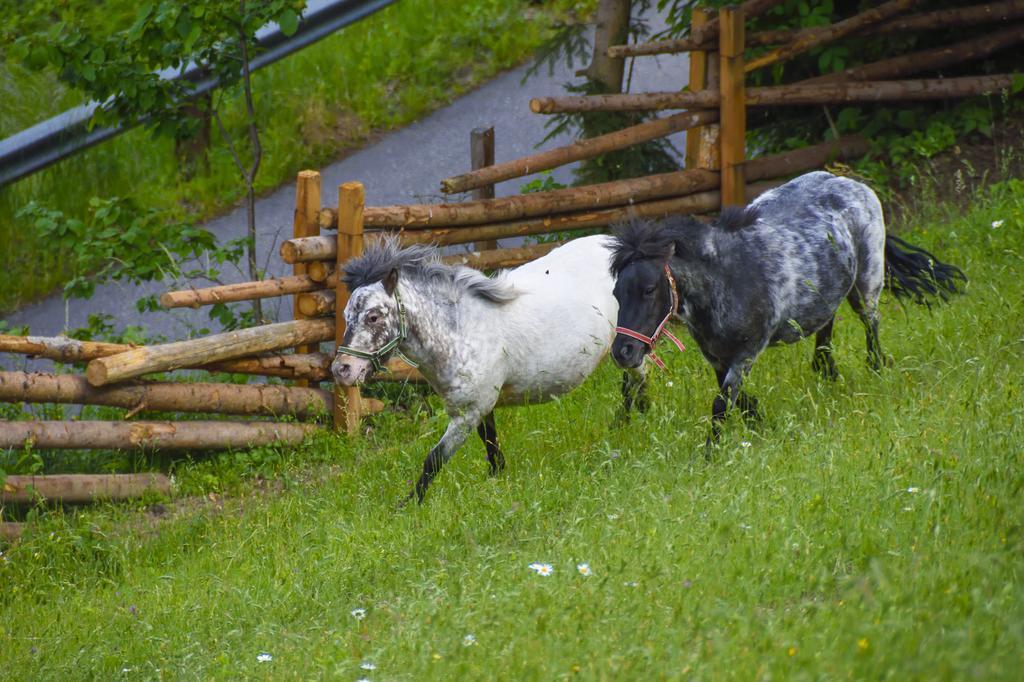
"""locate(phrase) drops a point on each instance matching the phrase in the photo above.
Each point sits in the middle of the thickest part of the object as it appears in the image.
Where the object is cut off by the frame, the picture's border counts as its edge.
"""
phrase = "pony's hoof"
(826, 368)
(404, 502)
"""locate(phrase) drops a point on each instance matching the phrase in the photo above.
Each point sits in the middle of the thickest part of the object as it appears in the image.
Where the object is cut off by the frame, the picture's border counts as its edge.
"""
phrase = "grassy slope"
(872, 528)
(383, 72)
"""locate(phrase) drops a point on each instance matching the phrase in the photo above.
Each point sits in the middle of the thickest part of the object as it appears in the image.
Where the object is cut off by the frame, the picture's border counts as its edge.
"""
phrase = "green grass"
(381, 73)
(871, 529)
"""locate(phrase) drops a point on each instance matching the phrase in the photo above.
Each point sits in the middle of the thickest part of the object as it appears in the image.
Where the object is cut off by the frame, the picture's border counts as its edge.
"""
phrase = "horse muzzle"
(349, 370)
(628, 353)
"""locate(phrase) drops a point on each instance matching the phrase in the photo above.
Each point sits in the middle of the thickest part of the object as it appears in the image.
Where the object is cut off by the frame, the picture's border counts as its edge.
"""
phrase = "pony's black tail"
(911, 272)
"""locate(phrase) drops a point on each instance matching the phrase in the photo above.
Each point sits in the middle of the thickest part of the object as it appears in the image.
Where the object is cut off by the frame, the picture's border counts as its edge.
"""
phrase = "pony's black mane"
(655, 239)
(422, 262)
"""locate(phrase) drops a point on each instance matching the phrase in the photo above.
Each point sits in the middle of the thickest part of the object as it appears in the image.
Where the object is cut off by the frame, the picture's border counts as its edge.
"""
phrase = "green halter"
(378, 357)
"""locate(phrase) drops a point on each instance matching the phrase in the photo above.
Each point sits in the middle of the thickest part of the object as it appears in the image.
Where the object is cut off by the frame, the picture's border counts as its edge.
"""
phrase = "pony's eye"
(649, 291)
(373, 318)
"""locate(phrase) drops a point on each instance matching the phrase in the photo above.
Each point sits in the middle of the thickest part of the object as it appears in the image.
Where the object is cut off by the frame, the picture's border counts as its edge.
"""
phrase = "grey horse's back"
(820, 234)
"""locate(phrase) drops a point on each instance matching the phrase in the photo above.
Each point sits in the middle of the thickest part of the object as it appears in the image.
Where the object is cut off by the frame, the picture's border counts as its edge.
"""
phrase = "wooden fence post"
(733, 107)
(351, 200)
(481, 151)
(699, 63)
(305, 224)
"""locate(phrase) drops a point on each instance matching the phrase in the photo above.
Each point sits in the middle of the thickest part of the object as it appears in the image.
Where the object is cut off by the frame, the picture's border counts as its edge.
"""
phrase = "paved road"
(406, 166)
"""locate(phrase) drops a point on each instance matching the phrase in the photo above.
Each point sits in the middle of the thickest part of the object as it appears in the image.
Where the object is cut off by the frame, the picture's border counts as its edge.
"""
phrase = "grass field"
(381, 73)
(868, 529)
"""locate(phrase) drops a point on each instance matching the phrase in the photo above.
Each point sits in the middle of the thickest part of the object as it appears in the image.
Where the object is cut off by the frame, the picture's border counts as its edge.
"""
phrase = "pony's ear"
(391, 281)
(670, 251)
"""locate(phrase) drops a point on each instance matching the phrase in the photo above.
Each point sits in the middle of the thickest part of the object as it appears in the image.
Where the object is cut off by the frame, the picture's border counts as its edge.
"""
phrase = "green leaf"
(288, 20)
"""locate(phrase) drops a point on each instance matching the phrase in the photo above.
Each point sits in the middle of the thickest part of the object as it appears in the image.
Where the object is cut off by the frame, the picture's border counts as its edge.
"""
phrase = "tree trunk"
(612, 28)
(215, 398)
(190, 435)
(578, 150)
(225, 346)
(82, 488)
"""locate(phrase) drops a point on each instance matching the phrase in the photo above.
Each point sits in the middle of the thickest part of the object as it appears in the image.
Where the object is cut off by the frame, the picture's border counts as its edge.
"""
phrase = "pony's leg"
(730, 395)
(634, 391)
(868, 314)
(454, 436)
(489, 435)
(823, 362)
(729, 382)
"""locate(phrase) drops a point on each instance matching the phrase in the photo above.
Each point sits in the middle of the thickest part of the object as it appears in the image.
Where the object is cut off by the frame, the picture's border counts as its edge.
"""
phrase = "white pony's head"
(372, 331)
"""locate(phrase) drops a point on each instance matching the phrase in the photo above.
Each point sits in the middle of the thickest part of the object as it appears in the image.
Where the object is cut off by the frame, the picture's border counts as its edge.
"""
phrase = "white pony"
(525, 336)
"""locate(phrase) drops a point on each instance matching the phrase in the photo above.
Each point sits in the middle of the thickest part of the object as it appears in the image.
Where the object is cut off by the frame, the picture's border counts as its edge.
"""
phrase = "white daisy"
(358, 614)
(264, 658)
(469, 640)
(745, 444)
(584, 569)
(366, 665)
(913, 490)
(542, 569)
(996, 224)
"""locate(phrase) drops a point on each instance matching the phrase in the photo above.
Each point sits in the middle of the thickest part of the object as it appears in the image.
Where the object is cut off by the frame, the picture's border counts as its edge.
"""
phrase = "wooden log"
(312, 366)
(750, 8)
(217, 398)
(828, 34)
(348, 402)
(493, 259)
(953, 17)
(11, 531)
(242, 291)
(927, 60)
(189, 435)
(481, 155)
(701, 202)
(590, 197)
(398, 371)
(733, 107)
(698, 81)
(646, 101)
(796, 94)
(602, 195)
(320, 270)
(578, 150)
(306, 249)
(225, 346)
(305, 224)
(944, 18)
(808, 158)
(82, 488)
(60, 348)
(317, 304)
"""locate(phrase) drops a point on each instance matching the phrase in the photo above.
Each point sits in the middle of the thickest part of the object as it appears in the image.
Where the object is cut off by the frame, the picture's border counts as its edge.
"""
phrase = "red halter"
(653, 338)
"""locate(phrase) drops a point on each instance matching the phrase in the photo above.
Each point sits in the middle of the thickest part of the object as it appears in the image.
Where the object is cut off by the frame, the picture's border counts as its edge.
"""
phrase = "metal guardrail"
(68, 133)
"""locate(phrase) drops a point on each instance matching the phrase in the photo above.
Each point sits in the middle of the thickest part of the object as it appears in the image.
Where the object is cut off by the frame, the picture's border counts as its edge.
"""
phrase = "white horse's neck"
(440, 329)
